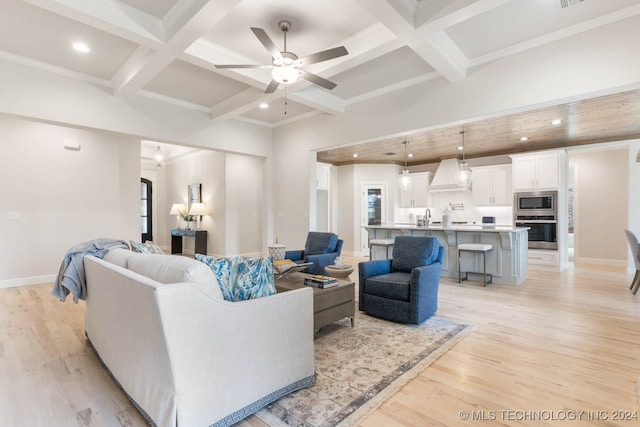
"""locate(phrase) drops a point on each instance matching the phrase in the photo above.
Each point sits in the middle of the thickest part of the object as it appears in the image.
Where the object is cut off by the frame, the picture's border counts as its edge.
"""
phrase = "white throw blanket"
(71, 278)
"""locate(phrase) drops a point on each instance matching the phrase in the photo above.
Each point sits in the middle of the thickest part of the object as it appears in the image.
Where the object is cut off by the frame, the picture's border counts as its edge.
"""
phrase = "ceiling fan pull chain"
(285, 100)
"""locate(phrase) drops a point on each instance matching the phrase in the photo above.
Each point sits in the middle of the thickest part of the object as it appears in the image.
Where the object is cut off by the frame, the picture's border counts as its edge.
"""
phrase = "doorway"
(146, 217)
(373, 210)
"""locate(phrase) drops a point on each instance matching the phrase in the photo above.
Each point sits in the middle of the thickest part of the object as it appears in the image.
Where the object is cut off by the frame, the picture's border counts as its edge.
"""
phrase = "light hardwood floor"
(561, 342)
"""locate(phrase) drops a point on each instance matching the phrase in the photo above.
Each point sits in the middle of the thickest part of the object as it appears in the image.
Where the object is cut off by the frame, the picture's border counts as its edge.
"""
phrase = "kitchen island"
(507, 261)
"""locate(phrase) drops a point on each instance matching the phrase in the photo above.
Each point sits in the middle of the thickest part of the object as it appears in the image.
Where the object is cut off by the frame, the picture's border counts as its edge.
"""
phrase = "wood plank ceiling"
(601, 119)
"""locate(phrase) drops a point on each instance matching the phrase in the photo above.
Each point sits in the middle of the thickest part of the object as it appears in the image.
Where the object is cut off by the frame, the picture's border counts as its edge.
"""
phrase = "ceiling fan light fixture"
(284, 74)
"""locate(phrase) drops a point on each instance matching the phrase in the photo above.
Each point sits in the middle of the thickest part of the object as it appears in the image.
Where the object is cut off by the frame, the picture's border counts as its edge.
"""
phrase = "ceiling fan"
(286, 65)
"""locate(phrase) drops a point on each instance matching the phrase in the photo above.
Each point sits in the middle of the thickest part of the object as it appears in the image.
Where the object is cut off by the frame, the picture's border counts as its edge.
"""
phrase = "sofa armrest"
(368, 269)
(234, 353)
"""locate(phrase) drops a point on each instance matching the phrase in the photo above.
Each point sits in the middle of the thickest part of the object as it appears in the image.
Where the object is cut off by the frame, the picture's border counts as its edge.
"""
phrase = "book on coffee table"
(322, 282)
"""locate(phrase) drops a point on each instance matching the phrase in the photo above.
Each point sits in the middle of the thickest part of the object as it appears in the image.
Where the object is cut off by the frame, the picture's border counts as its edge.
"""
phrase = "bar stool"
(386, 243)
(476, 248)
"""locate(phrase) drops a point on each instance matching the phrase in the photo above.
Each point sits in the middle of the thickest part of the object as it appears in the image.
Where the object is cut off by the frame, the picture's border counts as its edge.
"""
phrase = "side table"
(199, 235)
(339, 272)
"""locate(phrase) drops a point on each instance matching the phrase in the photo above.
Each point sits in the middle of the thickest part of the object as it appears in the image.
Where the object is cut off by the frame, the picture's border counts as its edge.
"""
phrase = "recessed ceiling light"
(264, 105)
(355, 155)
(81, 47)
(410, 155)
(556, 122)
(524, 138)
(460, 148)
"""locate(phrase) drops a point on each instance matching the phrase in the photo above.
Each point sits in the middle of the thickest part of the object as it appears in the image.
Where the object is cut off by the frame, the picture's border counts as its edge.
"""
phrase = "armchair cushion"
(391, 286)
(320, 243)
(410, 252)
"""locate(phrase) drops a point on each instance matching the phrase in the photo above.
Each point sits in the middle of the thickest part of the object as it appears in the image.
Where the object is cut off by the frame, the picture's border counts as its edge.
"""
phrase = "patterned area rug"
(359, 368)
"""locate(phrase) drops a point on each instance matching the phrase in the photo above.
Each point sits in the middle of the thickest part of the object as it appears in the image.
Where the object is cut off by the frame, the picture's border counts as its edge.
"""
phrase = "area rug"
(359, 368)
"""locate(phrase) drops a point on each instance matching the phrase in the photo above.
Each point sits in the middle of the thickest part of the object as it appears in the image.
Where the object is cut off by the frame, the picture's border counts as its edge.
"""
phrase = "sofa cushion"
(410, 252)
(147, 247)
(389, 286)
(119, 257)
(175, 269)
(241, 278)
(320, 243)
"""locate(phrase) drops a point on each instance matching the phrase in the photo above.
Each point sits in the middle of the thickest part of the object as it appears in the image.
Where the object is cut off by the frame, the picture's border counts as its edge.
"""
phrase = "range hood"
(445, 177)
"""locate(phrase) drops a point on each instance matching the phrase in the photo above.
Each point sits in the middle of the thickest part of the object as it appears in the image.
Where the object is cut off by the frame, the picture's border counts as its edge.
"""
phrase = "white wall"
(63, 197)
(634, 199)
(232, 190)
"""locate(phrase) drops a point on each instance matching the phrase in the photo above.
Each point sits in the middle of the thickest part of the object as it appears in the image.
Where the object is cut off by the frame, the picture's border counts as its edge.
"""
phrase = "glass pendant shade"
(463, 176)
(405, 179)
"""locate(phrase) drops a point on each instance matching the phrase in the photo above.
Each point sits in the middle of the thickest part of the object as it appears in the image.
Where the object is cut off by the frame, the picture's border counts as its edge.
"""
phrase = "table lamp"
(177, 209)
(198, 209)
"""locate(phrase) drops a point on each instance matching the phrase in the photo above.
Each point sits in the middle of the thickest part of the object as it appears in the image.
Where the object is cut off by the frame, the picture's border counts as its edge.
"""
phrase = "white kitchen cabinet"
(491, 185)
(417, 194)
(536, 171)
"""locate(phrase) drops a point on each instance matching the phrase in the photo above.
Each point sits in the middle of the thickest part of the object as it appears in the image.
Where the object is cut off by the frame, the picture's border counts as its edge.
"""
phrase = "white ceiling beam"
(240, 103)
(442, 54)
(557, 35)
(398, 19)
(438, 16)
(113, 17)
(187, 23)
(320, 99)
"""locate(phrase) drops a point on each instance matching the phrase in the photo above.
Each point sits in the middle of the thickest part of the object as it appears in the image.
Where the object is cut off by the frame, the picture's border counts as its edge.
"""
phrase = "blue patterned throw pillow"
(147, 247)
(242, 278)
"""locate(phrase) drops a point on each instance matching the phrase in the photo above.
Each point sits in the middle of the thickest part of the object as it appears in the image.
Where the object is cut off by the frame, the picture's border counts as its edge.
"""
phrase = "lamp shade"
(463, 176)
(198, 209)
(176, 209)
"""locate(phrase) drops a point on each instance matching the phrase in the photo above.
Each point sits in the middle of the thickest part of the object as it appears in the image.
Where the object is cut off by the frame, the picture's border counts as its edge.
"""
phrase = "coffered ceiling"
(168, 49)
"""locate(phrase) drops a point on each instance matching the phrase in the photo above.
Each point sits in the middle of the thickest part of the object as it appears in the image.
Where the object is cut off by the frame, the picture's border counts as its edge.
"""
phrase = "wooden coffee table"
(329, 305)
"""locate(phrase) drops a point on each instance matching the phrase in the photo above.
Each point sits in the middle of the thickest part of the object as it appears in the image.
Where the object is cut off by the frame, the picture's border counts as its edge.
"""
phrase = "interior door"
(373, 210)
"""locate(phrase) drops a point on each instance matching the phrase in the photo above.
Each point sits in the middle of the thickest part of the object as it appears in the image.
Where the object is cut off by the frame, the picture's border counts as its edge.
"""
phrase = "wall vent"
(566, 3)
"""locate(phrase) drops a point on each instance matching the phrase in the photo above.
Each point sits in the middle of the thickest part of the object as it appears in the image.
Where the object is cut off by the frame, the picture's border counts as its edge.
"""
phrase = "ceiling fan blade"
(243, 66)
(317, 80)
(325, 55)
(272, 87)
(267, 42)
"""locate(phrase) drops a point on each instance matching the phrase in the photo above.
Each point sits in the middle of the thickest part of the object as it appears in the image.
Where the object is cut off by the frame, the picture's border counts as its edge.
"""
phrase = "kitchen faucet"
(427, 215)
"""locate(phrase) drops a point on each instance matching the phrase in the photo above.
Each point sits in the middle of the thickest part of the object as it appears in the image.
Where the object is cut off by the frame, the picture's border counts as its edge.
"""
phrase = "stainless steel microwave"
(536, 203)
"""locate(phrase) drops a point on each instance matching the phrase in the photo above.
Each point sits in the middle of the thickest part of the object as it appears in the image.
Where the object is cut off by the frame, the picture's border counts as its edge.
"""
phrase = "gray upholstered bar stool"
(475, 248)
(386, 243)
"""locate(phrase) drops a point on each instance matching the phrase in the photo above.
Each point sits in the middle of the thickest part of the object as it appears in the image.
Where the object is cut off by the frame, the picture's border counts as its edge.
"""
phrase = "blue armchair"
(405, 288)
(321, 249)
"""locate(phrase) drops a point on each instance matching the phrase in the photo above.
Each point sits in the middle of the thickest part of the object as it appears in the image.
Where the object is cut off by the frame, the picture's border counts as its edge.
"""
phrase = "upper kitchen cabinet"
(417, 194)
(492, 185)
(539, 171)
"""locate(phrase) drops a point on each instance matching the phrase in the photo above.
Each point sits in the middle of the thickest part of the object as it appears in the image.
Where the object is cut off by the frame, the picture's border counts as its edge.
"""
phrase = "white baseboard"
(26, 281)
(600, 261)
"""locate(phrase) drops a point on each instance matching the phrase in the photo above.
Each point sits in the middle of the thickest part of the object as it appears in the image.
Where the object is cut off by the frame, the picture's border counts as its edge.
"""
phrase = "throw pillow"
(242, 278)
(147, 247)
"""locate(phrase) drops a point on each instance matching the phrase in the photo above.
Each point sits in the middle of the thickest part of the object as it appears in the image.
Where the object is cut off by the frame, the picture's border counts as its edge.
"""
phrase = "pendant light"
(158, 156)
(405, 178)
(463, 176)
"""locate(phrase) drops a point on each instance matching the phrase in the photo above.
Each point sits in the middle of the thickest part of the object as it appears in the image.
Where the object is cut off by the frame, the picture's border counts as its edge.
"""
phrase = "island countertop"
(456, 227)
(506, 261)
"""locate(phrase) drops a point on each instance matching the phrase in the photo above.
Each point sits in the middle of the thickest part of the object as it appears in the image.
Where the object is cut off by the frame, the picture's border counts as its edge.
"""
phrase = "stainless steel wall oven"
(538, 210)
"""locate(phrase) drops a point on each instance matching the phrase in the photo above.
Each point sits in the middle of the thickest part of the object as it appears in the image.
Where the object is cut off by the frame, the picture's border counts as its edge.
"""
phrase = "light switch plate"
(13, 215)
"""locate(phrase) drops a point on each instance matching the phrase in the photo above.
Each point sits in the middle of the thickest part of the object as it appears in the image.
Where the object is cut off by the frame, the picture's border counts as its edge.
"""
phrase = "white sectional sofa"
(185, 356)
